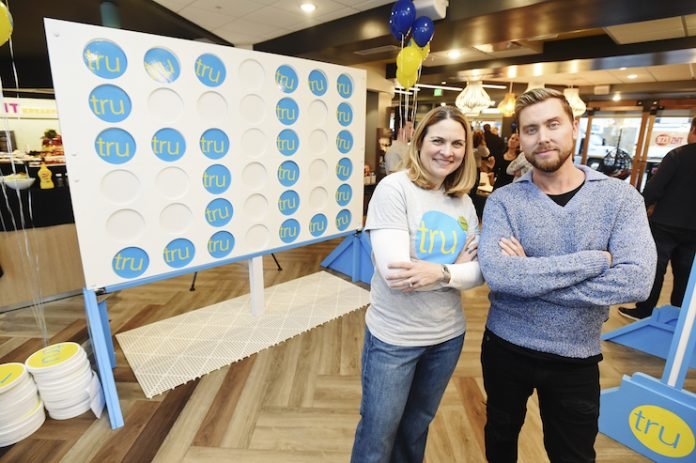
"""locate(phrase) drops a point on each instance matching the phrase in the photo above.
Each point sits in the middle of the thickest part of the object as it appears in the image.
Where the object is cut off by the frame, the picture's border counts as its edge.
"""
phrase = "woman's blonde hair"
(459, 182)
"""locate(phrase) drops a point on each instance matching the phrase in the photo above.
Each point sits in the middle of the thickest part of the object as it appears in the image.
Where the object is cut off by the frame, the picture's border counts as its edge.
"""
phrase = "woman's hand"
(409, 276)
(511, 247)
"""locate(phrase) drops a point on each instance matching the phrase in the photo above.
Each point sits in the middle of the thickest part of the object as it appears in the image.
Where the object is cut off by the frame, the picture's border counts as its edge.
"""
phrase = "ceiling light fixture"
(576, 104)
(308, 7)
(493, 86)
(632, 76)
(473, 99)
(453, 54)
(617, 96)
(507, 106)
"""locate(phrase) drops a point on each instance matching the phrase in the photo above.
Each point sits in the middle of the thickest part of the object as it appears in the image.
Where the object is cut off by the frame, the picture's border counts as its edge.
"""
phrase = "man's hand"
(608, 254)
(511, 247)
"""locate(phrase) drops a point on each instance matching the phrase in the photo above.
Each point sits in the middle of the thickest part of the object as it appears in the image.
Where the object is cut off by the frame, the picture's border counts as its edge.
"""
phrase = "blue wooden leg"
(98, 325)
(106, 327)
(355, 274)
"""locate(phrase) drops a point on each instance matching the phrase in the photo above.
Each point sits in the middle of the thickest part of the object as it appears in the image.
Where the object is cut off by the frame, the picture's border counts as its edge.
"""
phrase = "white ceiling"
(246, 22)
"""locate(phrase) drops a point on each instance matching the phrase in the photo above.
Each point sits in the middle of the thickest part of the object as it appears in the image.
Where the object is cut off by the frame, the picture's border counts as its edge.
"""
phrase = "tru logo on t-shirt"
(440, 237)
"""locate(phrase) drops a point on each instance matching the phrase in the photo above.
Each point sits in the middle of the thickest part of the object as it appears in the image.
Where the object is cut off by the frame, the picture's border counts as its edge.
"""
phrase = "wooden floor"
(297, 402)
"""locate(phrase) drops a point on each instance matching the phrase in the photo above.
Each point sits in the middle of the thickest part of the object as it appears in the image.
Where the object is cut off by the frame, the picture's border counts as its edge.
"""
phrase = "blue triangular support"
(353, 258)
(652, 335)
(657, 418)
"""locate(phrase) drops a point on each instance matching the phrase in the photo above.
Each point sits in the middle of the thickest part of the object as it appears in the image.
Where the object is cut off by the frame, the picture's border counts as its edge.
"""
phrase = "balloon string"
(37, 298)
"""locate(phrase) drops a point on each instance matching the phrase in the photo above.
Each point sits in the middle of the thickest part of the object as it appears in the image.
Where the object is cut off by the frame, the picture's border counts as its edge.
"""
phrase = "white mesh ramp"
(171, 352)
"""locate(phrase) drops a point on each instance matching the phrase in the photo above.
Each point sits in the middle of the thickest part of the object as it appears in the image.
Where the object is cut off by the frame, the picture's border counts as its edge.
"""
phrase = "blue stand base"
(103, 348)
(353, 258)
(650, 417)
(652, 335)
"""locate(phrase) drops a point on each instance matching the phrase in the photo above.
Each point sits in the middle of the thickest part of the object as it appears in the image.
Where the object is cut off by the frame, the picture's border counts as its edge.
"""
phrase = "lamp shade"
(473, 99)
(576, 104)
(507, 106)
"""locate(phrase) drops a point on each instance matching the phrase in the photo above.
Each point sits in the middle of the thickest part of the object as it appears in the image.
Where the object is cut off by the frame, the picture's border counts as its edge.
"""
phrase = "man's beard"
(548, 165)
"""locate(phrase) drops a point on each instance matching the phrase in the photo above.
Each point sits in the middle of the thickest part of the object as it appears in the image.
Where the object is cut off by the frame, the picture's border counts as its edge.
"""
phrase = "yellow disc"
(52, 355)
(5, 24)
(9, 374)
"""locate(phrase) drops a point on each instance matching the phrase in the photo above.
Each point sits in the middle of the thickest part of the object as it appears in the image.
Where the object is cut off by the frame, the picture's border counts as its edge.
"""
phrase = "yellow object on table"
(45, 175)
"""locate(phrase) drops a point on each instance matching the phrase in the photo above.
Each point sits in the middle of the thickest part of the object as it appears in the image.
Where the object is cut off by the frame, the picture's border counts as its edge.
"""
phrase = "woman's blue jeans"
(401, 390)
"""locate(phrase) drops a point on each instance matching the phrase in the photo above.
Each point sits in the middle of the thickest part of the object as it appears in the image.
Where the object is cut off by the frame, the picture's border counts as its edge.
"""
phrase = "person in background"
(480, 152)
(422, 227)
(558, 247)
(495, 144)
(518, 167)
(396, 154)
(502, 177)
(670, 196)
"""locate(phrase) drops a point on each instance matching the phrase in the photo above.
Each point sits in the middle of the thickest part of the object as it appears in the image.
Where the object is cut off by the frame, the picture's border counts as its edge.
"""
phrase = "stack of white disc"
(21, 410)
(64, 377)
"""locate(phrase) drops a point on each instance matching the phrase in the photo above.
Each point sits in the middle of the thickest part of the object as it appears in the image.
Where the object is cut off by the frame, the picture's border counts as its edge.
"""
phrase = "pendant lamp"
(576, 104)
(507, 106)
(473, 99)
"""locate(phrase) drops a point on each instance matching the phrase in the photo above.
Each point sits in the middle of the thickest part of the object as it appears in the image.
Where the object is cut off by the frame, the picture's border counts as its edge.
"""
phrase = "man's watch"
(446, 275)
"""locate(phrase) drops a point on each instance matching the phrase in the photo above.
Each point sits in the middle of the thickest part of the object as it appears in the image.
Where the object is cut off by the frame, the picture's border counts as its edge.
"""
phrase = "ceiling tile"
(275, 16)
(642, 75)
(647, 31)
(249, 28)
(205, 18)
(600, 77)
(232, 8)
(670, 72)
(442, 58)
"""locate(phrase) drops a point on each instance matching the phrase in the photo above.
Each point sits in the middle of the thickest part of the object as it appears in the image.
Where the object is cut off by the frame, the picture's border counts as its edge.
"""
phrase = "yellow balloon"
(408, 60)
(5, 24)
(406, 80)
(424, 51)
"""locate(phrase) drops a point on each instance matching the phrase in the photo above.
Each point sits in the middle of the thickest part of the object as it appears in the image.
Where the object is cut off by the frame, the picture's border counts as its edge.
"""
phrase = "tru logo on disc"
(661, 431)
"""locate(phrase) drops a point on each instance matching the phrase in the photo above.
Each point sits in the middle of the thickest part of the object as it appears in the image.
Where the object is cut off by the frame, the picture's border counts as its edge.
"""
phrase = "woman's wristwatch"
(446, 275)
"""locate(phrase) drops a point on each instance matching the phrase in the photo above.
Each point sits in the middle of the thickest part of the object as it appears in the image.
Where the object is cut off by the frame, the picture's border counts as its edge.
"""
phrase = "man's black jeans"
(568, 401)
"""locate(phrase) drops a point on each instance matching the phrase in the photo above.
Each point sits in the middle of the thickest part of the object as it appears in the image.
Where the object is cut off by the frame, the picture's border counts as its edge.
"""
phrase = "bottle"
(45, 175)
(59, 180)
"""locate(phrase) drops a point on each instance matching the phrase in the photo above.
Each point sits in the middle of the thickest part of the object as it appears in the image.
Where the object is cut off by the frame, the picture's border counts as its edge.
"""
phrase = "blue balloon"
(402, 16)
(423, 29)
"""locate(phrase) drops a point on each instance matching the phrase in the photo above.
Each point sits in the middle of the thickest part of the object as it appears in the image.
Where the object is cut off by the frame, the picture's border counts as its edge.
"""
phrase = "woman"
(502, 178)
(422, 226)
(484, 160)
(518, 167)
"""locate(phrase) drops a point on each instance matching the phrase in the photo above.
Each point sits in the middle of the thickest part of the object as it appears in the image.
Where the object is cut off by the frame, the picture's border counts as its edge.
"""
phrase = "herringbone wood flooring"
(297, 402)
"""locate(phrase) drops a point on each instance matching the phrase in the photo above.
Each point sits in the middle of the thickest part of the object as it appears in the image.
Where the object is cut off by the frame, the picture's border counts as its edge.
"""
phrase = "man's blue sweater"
(556, 299)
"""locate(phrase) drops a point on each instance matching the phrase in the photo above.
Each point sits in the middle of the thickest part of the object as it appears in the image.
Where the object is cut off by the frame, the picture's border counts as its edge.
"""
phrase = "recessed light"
(308, 7)
(617, 96)
(622, 69)
(632, 76)
(453, 54)
(444, 82)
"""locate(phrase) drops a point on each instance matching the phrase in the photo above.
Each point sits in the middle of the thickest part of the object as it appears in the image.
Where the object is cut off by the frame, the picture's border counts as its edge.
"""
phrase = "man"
(396, 153)
(557, 248)
(671, 196)
(495, 144)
